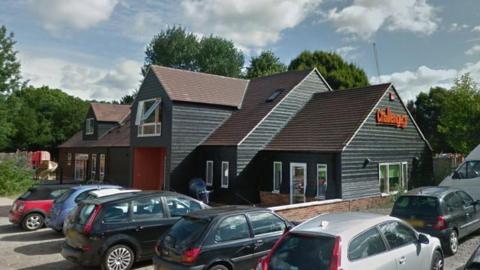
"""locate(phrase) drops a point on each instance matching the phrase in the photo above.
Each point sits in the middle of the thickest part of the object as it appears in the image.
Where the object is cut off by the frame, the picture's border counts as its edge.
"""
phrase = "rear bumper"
(79, 256)
(161, 264)
(15, 217)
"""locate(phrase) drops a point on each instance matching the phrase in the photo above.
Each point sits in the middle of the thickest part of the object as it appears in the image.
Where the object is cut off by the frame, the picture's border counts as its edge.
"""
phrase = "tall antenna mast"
(376, 61)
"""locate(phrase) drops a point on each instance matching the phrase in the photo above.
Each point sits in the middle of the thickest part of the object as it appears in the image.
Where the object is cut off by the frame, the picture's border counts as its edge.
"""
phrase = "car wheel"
(118, 257)
(33, 222)
(452, 243)
(219, 267)
(437, 261)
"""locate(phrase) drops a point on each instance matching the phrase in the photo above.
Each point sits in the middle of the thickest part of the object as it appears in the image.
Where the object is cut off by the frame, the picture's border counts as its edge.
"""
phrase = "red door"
(148, 168)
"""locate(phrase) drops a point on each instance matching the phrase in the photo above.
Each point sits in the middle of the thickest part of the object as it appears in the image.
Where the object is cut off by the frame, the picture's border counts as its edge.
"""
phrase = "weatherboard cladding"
(380, 144)
(262, 134)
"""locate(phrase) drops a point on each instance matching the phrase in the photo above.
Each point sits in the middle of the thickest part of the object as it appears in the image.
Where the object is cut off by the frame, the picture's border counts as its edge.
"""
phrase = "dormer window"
(149, 117)
(89, 126)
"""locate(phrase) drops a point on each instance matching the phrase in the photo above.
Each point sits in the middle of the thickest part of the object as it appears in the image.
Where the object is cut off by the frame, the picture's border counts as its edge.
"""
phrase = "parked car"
(445, 212)
(467, 175)
(474, 262)
(115, 231)
(64, 204)
(354, 241)
(30, 209)
(230, 237)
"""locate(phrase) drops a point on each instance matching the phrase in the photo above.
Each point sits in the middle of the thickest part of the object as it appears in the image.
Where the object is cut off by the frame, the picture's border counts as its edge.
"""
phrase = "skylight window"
(274, 95)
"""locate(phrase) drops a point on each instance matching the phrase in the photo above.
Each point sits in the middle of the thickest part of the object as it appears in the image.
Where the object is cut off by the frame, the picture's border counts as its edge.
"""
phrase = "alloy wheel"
(33, 222)
(453, 242)
(119, 259)
(438, 263)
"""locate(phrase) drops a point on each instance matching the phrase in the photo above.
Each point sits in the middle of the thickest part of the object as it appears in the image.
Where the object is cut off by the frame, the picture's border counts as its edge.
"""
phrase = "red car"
(30, 209)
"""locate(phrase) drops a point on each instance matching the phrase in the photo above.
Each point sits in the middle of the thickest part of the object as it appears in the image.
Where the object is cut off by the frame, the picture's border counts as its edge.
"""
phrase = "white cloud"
(476, 28)
(143, 26)
(473, 50)
(56, 15)
(347, 52)
(454, 27)
(365, 17)
(87, 82)
(249, 23)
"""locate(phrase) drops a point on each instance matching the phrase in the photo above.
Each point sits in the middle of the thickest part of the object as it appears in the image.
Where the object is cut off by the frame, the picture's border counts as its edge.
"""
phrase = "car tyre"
(437, 261)
(118, 257)
(218, 267)
(451, 247)
(33, 221)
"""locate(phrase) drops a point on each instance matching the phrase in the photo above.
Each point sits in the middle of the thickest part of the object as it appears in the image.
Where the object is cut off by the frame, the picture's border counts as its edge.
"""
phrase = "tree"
(338, 73)
(460, 115)
(128, 98)
(6, 126)
(219, 56)
(265, 64)
(9, 65)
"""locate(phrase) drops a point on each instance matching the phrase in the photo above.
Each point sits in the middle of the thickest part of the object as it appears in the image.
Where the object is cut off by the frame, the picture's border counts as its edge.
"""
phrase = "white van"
(467, 175)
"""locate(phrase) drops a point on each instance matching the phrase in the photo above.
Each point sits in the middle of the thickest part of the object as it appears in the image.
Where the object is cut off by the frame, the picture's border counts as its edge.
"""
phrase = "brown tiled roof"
(328, 120)
(254, 107)
(105, 112)
(117, 137)
(189, 86)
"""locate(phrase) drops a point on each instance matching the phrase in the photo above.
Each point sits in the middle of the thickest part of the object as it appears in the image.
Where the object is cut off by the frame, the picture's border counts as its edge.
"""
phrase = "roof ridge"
(198, 72)
(306, 71)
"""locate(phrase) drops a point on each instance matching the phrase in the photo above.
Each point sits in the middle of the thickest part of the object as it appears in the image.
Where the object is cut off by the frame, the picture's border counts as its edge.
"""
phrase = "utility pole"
(375, 55)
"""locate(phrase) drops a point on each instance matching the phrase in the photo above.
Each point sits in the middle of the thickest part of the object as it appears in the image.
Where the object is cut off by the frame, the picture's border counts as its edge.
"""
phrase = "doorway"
(81, 162)
(298, 182)
(149, 168)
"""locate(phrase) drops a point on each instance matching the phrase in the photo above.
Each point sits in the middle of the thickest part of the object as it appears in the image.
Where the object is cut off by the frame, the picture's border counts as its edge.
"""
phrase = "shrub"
(15, 178)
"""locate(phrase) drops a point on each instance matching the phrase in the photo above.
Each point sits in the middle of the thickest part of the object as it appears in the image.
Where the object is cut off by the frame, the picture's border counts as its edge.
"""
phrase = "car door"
(403, 246)
(368, 249)
(472, 213)
(231, 240)
(267, 229)
(150, 222)
(455, 214)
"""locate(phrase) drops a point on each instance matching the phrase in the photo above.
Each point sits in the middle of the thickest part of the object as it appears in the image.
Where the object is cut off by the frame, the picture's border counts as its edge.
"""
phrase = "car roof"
(112, 191)
(124, 196)
(345, 223)
(94, 186)
(439, 191)
(50, 186)
(225, 210)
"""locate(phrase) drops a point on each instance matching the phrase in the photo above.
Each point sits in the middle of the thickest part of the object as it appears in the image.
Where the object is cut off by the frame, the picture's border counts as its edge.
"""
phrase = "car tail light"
(190, 255)
(441, 223)
(87, 228)
(336, 259)
(265, 261)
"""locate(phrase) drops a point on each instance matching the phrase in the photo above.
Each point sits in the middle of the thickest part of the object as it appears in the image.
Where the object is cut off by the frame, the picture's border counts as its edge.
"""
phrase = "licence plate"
(416, 223)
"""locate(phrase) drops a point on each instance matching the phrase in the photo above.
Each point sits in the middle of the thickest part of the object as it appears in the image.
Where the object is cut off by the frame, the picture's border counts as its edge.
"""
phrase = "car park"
(64, 204)
(31, 208)
(445, 212)
(115, 231)
(474, 262)
(229, 237)
(354, 241)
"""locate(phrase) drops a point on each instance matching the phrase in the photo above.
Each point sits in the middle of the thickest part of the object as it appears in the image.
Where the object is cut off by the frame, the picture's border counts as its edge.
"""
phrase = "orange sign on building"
(389, 118)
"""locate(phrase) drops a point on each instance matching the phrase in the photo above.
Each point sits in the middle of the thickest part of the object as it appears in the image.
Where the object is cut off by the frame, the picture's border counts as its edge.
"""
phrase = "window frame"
(325, 166)
(279, 180)
(157, 125)
(403, 180)
(219, 223)
(266, 233)
(128, 217)
(89, 126)
(93, 166)
(209, 173)
(102, 166)
(223, 176)
(384, 241)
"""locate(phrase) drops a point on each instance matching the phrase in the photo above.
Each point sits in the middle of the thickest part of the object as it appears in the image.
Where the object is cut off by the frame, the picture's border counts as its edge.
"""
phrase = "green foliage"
(7, 127)
(338, 73)
(128, 98)
(9, 65)
(219, 56)
(265, 64)
(15, 178)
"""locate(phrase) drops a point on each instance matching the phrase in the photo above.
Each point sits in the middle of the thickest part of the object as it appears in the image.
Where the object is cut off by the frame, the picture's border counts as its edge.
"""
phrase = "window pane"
(321, 180)
(383, 179)
(209, 173)
(232, 228)
(265, 223)
(397, 234)
(394, 177)
(82, 196)
(116, 213)
(454, 203)
(277, 175)
(366, 244)
(404, 175)
(102, 166)
(147, 208)
(473, 169)
(179, 206)
(465, 197)
(225, 174)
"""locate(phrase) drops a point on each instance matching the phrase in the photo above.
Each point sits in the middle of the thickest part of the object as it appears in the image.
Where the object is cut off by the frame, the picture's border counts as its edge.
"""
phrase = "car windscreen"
(420, 205)
(185, 232)
(305, 252)
(83, 213)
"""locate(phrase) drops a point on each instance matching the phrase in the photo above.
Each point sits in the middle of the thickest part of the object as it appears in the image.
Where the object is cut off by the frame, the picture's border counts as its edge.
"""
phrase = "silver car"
(354, 241)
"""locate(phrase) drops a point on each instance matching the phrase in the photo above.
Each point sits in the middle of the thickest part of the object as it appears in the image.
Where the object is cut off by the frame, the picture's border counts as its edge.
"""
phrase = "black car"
(115, 231)
(223, 238)
(445, 212)
(474, 261)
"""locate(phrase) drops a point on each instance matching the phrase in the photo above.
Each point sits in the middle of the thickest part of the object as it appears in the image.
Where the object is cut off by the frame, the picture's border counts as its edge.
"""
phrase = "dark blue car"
(64, 204)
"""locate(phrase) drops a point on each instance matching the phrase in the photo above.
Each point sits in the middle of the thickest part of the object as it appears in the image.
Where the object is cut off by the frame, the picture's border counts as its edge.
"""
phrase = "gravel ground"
(37, 250)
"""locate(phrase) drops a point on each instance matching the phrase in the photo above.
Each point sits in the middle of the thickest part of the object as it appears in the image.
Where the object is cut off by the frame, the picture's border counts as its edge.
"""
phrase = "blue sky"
(95, 48)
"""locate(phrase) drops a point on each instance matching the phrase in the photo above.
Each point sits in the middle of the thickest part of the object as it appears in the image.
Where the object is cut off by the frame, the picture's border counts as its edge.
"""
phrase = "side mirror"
(423, 239)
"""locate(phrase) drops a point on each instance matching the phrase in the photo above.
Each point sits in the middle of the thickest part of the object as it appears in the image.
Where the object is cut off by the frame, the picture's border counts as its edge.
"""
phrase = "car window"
(64, 196)
(467, 200)
(366, 244)
(232, 228)
(57, 193)
(117, 212)
(85, 213)
(422, 205)
(180, 206)
(147, 208)
(397, 234)
(82, 196)
(453, 203)
(186, 231)
(469, 169)
(264, 222)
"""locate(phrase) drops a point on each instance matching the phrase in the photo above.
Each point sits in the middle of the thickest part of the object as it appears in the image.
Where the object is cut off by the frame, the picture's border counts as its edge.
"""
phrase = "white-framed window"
(209, 173)
(392, 176)
(101, 172)
(69, 159)
(89, 126)
(322, 181)
(225, 174)
(93, 166)
(277, 176)
(149, 117)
